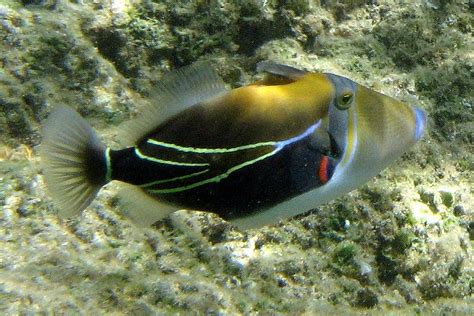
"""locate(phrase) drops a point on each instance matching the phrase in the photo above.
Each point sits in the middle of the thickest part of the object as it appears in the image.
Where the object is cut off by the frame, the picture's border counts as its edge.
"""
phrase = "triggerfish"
(253, 155)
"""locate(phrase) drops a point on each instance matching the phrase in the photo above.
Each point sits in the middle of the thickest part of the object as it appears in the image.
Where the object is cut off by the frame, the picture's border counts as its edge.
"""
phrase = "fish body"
(252, 155)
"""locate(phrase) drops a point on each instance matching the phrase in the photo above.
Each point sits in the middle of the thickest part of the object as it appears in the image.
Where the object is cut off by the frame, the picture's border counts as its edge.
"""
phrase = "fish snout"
(420, 123)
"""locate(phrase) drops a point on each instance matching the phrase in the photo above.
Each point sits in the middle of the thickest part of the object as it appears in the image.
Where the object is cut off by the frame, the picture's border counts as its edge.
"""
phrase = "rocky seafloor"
(401, 244)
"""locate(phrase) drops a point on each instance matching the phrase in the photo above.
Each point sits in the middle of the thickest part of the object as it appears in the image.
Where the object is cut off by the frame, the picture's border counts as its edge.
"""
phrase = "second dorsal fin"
(177, 91)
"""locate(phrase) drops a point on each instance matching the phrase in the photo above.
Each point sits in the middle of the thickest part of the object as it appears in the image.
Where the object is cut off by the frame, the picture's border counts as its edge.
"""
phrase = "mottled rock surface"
(403, 243)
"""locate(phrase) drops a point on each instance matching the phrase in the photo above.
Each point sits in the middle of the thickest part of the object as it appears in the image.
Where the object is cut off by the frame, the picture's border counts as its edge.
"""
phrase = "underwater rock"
(366, 298)
(401, 244)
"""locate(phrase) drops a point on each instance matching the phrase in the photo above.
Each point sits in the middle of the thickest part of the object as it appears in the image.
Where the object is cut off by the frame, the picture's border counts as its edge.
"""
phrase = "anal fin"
(140, 207)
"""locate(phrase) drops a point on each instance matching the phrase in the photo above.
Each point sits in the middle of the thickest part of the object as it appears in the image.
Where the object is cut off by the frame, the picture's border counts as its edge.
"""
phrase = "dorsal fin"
(176, 92)
(275, 72)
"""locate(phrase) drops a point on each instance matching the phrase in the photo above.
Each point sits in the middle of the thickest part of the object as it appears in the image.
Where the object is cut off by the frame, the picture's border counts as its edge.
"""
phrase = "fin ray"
(140, 207)
(280, 70)
(176, 92)
(68, 140)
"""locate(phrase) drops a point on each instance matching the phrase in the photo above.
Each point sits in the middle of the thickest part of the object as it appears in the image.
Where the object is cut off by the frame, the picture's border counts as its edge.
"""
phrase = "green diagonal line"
(108, 166)
(169, 162)
(216, 178)
(209, 150)
(173, 179)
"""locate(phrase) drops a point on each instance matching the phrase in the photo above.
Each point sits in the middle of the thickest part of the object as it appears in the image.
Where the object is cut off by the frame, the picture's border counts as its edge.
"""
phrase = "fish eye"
(344, 100)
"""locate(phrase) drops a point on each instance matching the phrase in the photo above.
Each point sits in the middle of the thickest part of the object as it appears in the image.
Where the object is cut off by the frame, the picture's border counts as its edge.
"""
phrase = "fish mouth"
(420, 123)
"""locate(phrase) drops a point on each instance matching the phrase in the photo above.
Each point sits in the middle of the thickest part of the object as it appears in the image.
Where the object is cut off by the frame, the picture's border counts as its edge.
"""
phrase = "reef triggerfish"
(252, 155)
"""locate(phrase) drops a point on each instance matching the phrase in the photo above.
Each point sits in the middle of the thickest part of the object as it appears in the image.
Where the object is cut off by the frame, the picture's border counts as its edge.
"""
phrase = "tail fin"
(73, 159)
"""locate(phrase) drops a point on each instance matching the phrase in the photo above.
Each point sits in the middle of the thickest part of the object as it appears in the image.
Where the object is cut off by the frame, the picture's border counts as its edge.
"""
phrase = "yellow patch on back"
(304, 101)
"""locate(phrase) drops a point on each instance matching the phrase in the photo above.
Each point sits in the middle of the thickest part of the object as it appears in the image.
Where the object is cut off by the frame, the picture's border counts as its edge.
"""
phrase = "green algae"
(401, 244)
(344, 258)
(450, 86)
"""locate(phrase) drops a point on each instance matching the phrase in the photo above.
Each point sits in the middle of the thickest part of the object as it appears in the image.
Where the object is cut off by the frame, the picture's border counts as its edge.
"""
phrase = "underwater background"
(402, 243)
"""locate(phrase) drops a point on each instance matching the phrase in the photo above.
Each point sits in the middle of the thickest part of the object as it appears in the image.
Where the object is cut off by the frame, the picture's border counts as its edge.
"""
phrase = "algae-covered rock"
(400, 244)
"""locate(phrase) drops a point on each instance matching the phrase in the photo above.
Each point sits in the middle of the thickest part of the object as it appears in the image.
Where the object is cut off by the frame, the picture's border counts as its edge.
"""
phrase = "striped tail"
(73, 159)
